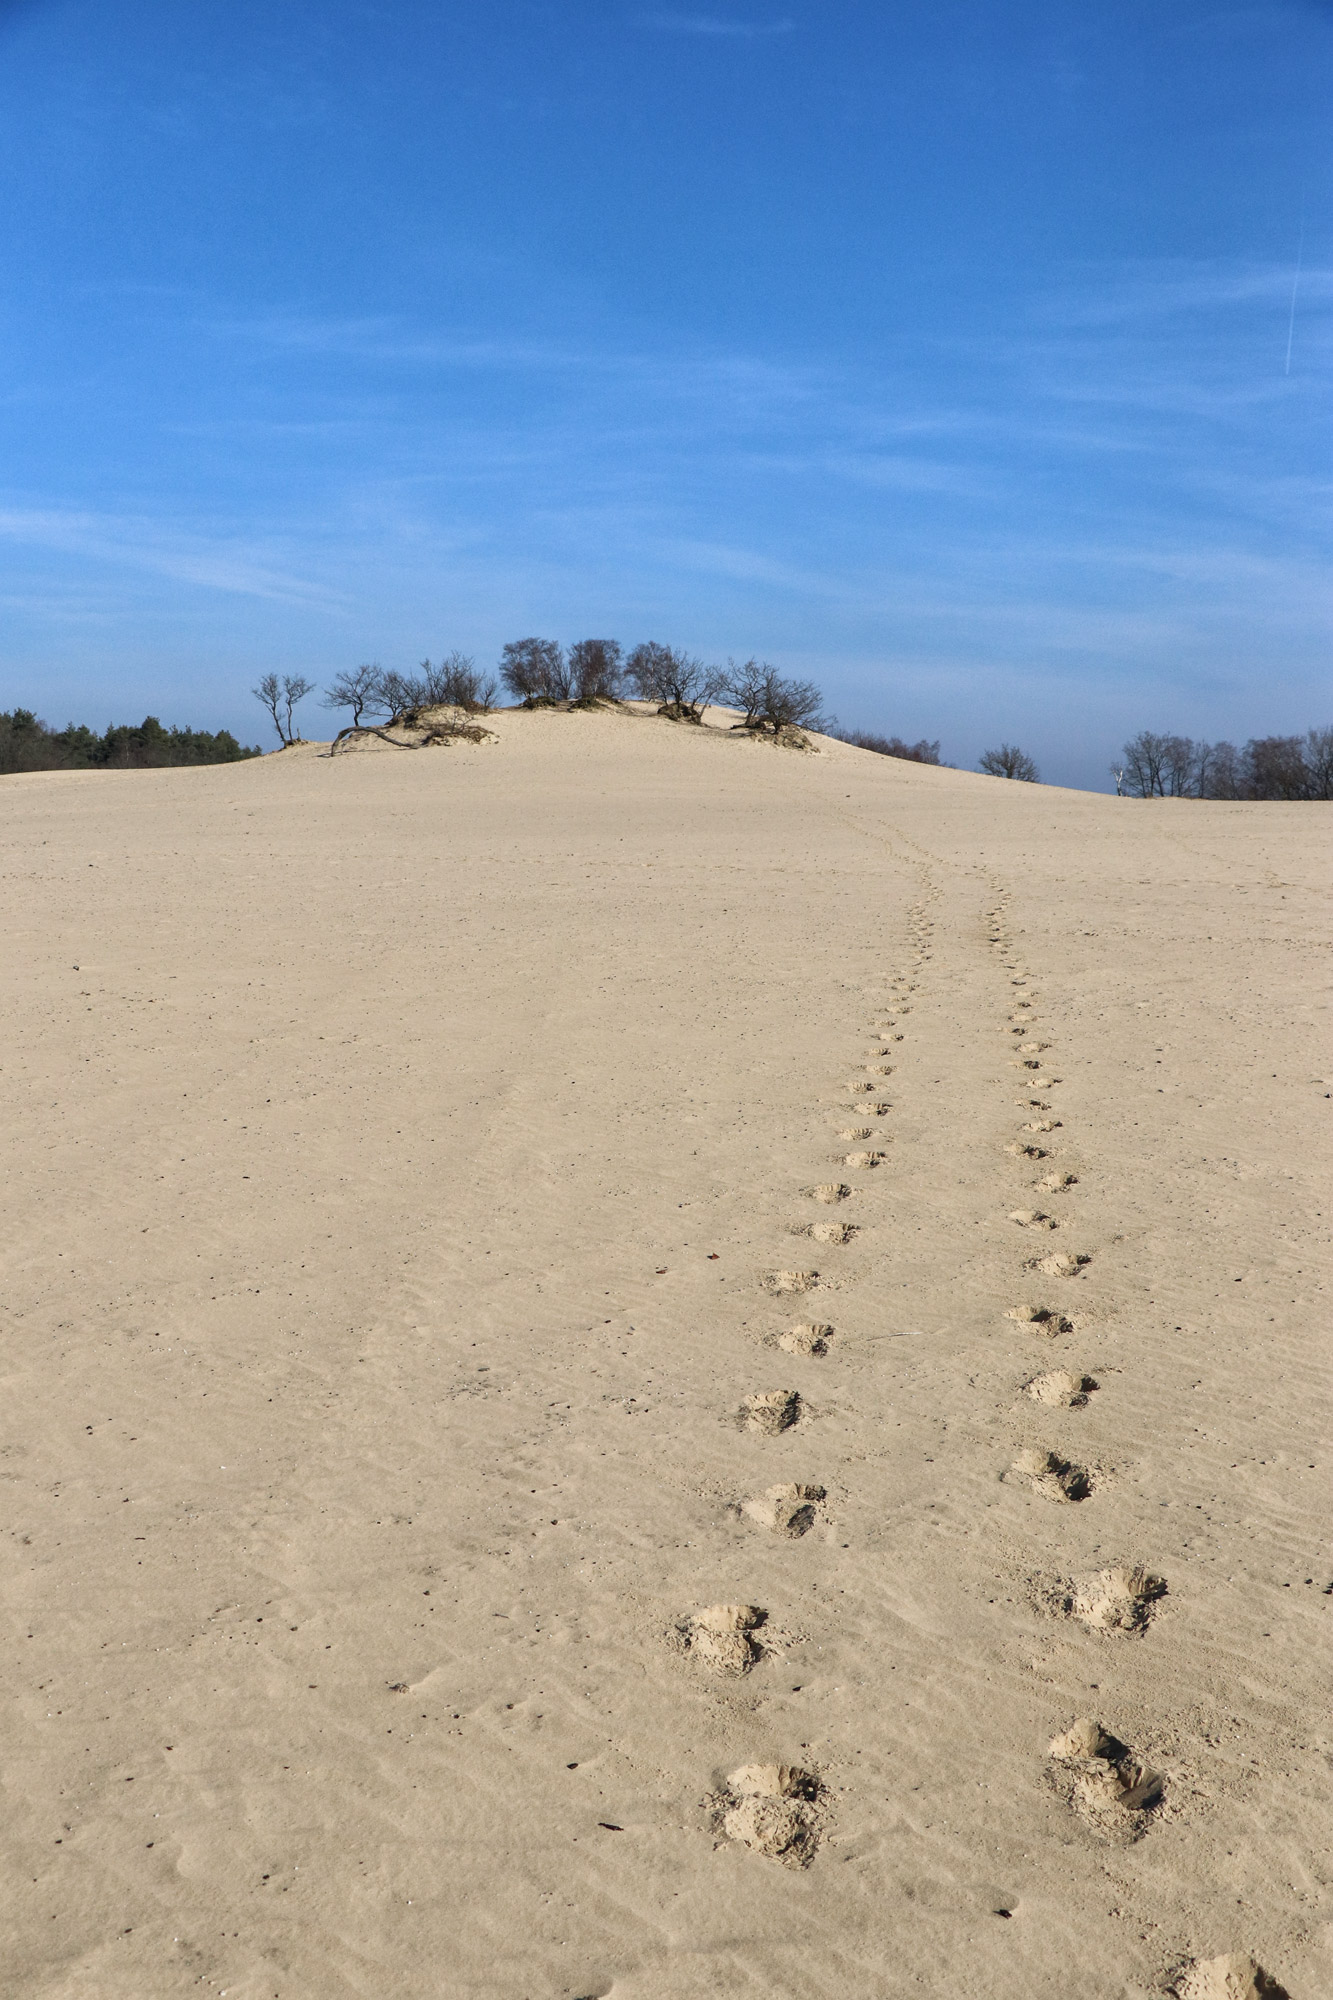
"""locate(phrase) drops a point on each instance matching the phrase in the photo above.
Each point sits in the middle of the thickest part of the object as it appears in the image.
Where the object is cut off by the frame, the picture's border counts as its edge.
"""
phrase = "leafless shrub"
(682, 686)
(1009, 762)
(454, 683)
(279, 697)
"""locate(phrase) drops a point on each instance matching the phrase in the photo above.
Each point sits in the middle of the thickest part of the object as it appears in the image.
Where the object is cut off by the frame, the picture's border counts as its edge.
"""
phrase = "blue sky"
(935, 351)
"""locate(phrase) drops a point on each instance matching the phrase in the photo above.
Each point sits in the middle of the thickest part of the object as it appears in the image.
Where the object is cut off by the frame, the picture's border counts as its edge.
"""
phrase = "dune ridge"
(642, 1365)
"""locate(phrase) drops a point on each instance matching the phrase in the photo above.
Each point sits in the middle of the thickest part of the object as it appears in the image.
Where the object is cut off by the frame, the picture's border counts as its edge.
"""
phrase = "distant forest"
(29, 745)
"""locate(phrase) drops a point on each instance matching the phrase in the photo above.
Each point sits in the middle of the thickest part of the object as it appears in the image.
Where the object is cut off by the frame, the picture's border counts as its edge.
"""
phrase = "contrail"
(1291, 323)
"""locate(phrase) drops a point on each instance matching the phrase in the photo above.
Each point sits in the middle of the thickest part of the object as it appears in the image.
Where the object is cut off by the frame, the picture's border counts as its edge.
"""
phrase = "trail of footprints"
(1104, 1780)
(779, 1810)
(783, 1811)
(1108, 1783)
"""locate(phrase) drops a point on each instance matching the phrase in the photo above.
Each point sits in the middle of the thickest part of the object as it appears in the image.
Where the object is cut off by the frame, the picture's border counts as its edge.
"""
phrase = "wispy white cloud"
(716, 24)
(1139, 290)
(216, 562)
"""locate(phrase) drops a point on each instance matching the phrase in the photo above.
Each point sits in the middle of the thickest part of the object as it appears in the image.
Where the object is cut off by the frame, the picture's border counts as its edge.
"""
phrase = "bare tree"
(682, 686)
(1221, 772)
(356, 689)
(1144, 766)
(280, 697)
(596, 670)
(1009, 762)
(744, 689)
(1206, 764)
(535, 670)
(770, 702)
(1319, 763)
(790, 704)
(1178, 766)
(1276, 769)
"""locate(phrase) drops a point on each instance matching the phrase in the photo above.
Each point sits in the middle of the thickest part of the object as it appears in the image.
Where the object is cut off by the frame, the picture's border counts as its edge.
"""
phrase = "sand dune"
(640, 1365)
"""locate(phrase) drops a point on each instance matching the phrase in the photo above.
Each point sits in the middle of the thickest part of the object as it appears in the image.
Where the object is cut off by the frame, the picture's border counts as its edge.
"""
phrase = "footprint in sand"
(1236, 1976)
(788, 1510)
(1056, 1183)
(1042, 1125)
(1041, 1317)
(1063, 1263)
(789, 1281)
(722, 1637)
(859, 1159)
(828, 1191)
(811, 1339)
(880, 1069)
(858, 1086)
(1105, 1781)
(770, 1412)
(1032, 1218)
(1110, 1600)
(1021, 1151)
(1054, 1477)
(832, 1232)
(1058, 1389)
(855, 1131)
(773, 1809)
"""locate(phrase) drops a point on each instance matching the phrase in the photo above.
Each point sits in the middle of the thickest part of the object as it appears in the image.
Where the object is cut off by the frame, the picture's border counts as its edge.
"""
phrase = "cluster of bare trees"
(923, 752)
(1267, 767)
(382, 697)
(540, 673)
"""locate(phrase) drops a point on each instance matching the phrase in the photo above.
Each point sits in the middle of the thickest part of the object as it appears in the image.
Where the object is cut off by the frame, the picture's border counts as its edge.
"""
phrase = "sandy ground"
(400, 1154)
